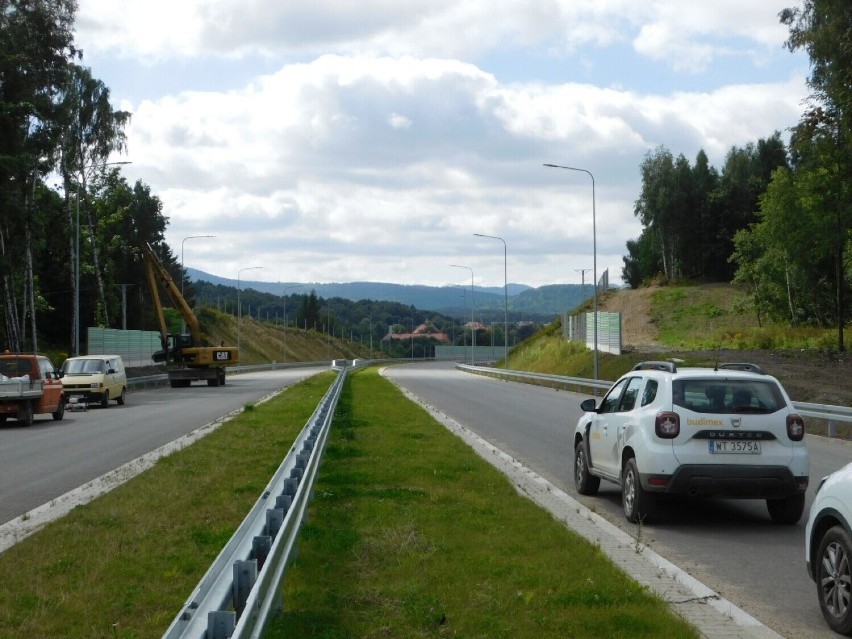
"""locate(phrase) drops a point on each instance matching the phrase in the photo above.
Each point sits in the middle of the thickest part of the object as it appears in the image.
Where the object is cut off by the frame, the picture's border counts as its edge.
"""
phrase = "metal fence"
(482, 353)
(135, 347)
(581, 328)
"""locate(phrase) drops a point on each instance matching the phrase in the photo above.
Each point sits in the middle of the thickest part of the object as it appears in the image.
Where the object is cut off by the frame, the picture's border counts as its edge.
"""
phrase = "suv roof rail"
(668, 367)
(742, 366)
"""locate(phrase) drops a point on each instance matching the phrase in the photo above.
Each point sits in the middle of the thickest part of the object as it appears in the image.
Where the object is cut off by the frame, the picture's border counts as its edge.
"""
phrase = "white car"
(728, 431)
(828, 548)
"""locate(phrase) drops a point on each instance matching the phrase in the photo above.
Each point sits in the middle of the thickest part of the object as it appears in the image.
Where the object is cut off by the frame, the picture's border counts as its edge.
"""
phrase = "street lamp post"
(182, 272)
(464, 312)
(582, 272)
(594, 254)
(77, 254)
(284, 300)
(505, 299)
(472, 315)
(239, 306)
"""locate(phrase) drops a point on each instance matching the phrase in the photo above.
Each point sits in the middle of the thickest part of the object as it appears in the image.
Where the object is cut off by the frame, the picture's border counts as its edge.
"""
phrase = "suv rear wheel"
(585, 483)
(787, 510)
(639, 504)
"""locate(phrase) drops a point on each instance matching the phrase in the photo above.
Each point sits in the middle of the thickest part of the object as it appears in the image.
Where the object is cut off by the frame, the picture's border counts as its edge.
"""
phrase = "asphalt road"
(49, 458)
(731, 546)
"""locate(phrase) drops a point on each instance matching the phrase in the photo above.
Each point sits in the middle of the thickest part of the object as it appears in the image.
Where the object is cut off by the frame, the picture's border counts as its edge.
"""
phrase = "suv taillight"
(667, 425)
(795, 427)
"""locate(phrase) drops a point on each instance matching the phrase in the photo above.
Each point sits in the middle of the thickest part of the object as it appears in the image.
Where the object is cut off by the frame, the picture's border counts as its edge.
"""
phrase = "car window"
(728, 395)
(650, 393)
(45, 366)
(610, 402)
(16, 367)
(628, 400)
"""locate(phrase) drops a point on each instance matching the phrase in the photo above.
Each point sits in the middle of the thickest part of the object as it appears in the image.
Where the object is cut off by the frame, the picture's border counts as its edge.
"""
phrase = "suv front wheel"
(638, 503)
(833, 576)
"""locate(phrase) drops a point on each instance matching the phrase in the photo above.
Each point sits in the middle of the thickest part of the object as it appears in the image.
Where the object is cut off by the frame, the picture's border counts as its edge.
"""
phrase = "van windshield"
(727, 395)
(83, 366)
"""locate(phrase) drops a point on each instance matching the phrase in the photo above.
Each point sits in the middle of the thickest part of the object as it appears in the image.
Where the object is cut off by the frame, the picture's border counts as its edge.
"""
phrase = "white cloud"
(370, 140)
(671, 31)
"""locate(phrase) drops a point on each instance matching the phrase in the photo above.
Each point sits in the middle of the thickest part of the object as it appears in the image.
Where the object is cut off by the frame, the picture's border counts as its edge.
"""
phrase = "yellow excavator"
(190, 355)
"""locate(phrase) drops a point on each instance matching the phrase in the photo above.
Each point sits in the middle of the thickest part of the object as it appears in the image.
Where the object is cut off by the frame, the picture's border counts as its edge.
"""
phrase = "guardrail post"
(221, 624)
(245, 574)
(260, 547)
(832, 428)
(274, 521)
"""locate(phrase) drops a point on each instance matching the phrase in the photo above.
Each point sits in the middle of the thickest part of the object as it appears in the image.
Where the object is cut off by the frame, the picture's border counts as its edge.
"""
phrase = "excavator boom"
(155, 270)
(201, 362)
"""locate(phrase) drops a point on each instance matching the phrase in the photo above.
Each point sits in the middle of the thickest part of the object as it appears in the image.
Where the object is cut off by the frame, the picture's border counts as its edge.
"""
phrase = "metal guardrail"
(827, 412)
(540, 379)
(242, 587)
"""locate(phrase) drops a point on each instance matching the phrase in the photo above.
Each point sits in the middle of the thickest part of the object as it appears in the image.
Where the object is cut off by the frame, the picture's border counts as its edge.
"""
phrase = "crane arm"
(155, 270)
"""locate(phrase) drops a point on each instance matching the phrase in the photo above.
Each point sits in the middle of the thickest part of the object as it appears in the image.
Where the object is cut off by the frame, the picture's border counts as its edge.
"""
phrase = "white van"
(94, 378)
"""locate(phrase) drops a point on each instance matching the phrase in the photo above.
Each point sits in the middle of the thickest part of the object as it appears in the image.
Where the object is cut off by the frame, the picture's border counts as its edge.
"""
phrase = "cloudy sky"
(336, 141)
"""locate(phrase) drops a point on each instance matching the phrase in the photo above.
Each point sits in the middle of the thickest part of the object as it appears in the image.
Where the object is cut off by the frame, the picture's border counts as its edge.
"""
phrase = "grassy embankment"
(265, 342)
(692, 323)
(687, 318)
(410, 534)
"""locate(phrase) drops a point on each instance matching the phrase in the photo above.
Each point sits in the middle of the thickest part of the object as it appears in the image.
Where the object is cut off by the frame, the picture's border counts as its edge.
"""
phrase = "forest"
(776, 218)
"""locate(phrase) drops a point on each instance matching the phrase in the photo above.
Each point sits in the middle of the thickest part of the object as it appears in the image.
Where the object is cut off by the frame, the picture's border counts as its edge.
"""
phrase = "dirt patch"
(808, 376)
(637, 330)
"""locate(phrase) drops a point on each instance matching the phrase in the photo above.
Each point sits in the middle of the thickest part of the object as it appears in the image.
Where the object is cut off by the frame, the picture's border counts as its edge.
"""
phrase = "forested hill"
(449, 300)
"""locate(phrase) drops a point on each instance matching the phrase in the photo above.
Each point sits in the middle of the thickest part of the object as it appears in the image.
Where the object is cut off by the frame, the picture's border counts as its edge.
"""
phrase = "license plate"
(734, 447)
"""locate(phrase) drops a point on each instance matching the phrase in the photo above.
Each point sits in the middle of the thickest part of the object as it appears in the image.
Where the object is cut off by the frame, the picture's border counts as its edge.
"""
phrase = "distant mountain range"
(450, 300)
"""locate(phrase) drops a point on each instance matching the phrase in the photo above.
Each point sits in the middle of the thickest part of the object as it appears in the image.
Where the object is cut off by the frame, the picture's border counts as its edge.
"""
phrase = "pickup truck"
(29, 386)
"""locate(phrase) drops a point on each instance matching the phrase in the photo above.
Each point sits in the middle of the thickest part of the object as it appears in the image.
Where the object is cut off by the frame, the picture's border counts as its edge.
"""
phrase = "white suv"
(828, 548)
(728, 431)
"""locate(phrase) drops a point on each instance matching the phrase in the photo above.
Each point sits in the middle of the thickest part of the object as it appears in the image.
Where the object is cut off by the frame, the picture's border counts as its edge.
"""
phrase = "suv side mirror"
(589, 405)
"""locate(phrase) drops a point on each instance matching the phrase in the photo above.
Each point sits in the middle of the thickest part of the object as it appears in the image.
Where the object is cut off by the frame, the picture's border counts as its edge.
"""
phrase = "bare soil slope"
(808, 376)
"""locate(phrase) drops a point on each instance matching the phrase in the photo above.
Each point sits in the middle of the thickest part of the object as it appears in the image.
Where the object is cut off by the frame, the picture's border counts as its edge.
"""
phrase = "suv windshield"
(727, 395)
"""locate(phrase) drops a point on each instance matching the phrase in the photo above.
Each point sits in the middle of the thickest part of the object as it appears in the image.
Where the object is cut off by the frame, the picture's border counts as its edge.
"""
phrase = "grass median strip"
(122, 566)
(411, 534)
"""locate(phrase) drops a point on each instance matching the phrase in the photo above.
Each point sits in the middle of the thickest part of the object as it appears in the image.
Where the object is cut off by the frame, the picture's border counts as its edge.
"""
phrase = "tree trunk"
(29, 285)
(840, 298)
(789, 292)
(10, 312)
(72, 252)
